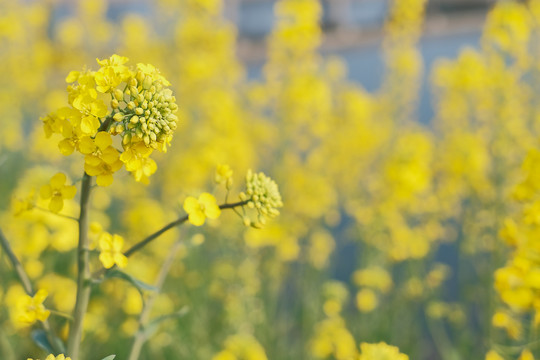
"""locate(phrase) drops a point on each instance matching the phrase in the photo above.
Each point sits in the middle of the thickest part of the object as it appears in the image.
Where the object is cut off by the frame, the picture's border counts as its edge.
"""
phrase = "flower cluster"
(262, 194)
(141, 111)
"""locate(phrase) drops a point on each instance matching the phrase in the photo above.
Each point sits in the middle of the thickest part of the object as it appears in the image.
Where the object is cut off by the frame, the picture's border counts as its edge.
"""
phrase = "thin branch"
(171, 225)
(138, 246)
(17, 266)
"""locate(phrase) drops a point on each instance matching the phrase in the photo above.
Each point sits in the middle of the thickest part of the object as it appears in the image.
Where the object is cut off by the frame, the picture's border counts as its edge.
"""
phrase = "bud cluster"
(262, 194)
(144, 111)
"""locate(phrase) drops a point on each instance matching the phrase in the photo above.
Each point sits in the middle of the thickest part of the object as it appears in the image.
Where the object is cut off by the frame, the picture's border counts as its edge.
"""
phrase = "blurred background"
(403, 136)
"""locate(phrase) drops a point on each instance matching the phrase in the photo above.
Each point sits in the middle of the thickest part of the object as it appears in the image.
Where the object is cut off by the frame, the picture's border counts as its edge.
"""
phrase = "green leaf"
(110, 357)
(135, 282)
(40, 338)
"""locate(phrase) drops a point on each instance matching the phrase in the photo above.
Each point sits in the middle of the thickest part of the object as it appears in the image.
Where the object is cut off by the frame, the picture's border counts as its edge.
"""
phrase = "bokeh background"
(403, 136)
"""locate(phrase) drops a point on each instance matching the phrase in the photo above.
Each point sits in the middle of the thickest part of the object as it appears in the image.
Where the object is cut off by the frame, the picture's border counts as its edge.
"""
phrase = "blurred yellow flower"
(380, 351)
(366, 300)
(111, 250)
(57, 191)
(30, 309)
(52, 357)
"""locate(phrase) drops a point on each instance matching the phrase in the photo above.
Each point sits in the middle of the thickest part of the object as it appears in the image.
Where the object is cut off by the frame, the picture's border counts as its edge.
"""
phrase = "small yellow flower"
(52, 357)
(31, 309)
(366, 300)
(224, 175)
(111, 251)
(57, 191)
(102, 159)
(202, 208)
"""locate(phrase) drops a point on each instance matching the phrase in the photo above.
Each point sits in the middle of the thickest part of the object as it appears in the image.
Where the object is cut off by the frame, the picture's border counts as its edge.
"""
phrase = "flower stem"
(141, 336)
(169, 226)
(83, 274)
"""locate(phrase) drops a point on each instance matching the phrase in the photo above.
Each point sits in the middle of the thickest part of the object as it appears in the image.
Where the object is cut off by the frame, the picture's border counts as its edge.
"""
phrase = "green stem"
(54, 341)
(171, 225)
(141, 336)
(83, 274)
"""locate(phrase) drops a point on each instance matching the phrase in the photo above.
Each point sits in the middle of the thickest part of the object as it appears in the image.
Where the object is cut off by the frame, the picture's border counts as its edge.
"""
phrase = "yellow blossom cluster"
(141, 110)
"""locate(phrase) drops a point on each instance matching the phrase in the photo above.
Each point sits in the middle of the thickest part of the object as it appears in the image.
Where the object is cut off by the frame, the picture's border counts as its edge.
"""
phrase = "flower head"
(262, 194)
(200, 209)
(111, 250)
(57, 191)
(224, 175)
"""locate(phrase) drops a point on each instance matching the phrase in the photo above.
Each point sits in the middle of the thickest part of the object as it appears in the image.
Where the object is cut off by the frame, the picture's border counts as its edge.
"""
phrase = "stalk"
(83, 272)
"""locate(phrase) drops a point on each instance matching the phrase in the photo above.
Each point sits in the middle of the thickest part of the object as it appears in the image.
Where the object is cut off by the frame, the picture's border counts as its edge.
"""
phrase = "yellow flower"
(111, 250)
(224, 175)
(380, 351)
(526, 355)
(91, 109)
(101, 161)
(492, 355)
(199, 209)
(52, 357)
(31, 309)
(137, 161)
(57, 191)
(366, 300)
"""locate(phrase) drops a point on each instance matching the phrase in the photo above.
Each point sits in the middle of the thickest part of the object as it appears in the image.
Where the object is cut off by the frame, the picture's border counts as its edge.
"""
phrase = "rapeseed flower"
(110, 247)
(30, 308)
(200, 209)
(52, 357)
(57, 191)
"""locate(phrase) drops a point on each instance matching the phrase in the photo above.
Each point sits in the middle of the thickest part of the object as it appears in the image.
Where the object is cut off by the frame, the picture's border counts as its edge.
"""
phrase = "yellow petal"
(40, 296)
(56, 204)
(106, 259)
(66, 147)
(45, 192)
(191, 205)
(212, 211)
(105, 241)
(104, 180)
(120, 260)
(207, 199)
(103, 140)
(110, 155)
(196, 218)
(58, 180)
(86, 145)
(68, 192)
(89, 124)
(117, 242)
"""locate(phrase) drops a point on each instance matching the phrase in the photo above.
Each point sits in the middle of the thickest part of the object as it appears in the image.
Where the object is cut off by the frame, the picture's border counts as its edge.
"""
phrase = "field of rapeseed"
(155, 203)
